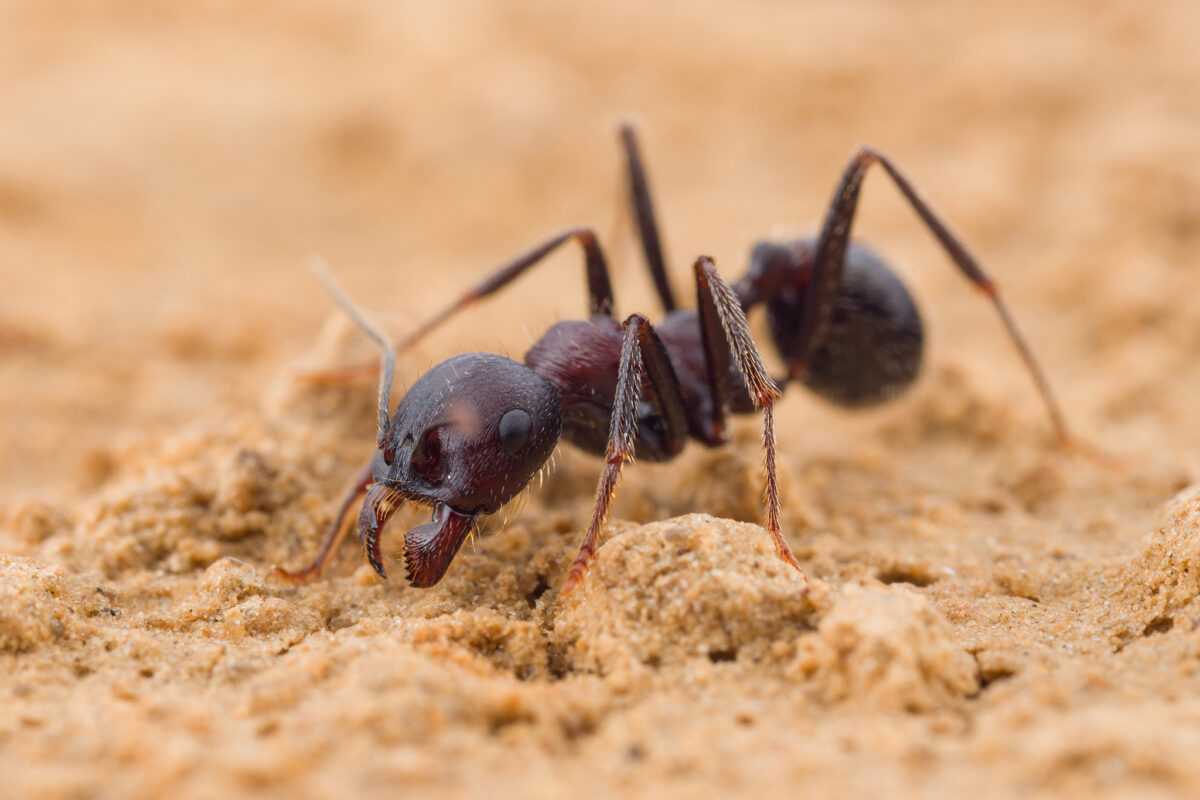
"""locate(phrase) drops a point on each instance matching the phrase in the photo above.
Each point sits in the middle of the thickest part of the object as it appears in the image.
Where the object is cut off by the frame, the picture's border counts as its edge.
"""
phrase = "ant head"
(466, 438)
(471, 433)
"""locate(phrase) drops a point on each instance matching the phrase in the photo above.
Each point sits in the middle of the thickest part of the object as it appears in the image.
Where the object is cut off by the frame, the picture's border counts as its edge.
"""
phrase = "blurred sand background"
(988, 613)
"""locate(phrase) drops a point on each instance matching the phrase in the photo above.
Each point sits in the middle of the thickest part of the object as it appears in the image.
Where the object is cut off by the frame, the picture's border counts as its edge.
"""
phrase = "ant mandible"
(473, 431)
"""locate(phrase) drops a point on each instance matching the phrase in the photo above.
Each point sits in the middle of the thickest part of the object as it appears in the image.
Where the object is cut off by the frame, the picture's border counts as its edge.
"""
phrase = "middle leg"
(727, 341)
(647, 224)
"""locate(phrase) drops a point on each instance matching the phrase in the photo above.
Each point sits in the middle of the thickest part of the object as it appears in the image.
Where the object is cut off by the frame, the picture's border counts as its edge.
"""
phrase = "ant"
(474, 430)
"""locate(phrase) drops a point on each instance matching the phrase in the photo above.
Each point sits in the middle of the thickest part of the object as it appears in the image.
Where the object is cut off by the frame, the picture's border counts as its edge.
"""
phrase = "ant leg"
(642, 356)
(643, 209)
(334, 535)
(600, 297)
(830, 255)
(600, 293)
(726, 337)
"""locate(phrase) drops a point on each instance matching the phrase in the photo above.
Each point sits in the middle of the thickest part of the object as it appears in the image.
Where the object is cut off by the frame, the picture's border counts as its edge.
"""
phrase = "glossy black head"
(466, 438)
(873, 348)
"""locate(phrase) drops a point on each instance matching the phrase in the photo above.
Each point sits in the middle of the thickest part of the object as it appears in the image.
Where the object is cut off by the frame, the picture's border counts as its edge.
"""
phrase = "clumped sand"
(983, 612)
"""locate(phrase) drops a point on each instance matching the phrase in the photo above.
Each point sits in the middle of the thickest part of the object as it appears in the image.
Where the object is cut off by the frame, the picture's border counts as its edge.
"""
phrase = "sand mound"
(205, 496)
(1163, 582)
(664, 595)
(693, 587)
(889, 649)
(42, 606)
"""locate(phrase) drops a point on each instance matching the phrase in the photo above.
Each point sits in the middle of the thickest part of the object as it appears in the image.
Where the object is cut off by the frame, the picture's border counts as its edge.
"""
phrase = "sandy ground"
(987, 613)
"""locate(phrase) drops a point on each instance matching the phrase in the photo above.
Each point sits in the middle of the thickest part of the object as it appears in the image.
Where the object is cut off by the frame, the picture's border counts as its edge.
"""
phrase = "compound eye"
(515, 427)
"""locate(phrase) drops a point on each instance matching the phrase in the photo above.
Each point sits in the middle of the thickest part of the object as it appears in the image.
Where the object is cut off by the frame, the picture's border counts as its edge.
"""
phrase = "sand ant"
(471, 433)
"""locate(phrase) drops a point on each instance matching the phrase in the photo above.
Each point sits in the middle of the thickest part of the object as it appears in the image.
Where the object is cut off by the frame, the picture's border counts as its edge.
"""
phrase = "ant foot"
(784, 552)
(575, 576)
(294, 578)
(1095, 454)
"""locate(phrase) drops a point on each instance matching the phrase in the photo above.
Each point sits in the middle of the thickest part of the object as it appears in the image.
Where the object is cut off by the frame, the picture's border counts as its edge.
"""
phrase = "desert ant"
(473, 431)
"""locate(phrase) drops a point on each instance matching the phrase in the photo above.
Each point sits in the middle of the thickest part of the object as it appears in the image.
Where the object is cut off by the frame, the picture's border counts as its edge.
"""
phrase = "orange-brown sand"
(986, 613)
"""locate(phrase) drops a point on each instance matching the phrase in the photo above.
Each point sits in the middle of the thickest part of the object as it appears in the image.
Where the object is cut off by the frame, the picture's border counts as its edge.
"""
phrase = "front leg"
(642, 356)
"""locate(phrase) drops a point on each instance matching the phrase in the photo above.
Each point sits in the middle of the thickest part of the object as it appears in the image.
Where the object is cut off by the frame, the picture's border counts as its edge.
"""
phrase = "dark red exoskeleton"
(474, 430)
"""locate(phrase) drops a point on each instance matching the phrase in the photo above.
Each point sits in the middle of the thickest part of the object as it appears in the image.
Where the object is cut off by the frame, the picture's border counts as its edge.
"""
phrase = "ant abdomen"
(872, 347)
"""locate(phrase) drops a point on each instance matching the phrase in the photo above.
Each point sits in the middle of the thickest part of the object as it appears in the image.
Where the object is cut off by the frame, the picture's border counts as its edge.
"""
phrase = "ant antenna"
(388, 356)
